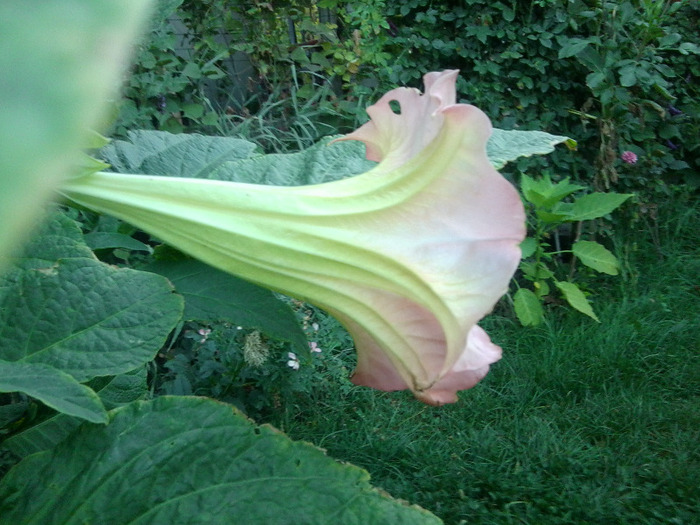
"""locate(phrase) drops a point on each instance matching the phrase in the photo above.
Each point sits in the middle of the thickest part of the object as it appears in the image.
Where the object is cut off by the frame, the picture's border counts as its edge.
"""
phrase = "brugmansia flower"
(409, 256)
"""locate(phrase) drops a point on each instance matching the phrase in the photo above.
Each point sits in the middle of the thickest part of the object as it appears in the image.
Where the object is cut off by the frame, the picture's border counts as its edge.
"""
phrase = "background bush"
(616, 76)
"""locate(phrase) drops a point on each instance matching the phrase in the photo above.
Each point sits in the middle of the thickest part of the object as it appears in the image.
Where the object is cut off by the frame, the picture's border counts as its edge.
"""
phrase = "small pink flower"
(314, 347)
(293, 362)
(629, 157)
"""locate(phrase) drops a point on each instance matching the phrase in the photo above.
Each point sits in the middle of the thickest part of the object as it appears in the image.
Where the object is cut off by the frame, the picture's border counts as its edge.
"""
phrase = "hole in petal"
(395, 106)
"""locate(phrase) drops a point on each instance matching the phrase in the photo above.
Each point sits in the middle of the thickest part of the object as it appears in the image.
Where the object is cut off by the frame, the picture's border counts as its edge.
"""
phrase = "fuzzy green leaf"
(225, 158)
(52, 387)
(596, 256)
(62, 307)
(323, 162)
(56, 238)
(114, 391)
(191, 460)
(505, 146)
(528, 307)
(104, 240)
(119, 390)
(575, 297)
(182, 155)
(211, 294)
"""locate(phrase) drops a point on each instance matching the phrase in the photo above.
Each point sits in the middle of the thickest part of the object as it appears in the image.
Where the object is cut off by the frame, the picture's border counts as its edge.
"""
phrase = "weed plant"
(292, 118)
(579, 422)
(232, 364)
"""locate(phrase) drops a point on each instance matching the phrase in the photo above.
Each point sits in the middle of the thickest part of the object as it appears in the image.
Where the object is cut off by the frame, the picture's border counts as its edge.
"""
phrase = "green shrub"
(605, 73)
(616, 76)
(165, 89)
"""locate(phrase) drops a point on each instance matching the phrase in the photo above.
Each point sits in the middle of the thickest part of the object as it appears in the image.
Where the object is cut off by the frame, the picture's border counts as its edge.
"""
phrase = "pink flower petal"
(462, 239)
(408, 256)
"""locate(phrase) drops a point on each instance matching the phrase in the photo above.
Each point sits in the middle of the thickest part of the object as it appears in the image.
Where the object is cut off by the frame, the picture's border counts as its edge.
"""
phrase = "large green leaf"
(104, 240)
(323, 162)
(528, 307)
(119, 390)
(544, 193)
(182, 155)
(52, 387)
(61, 63)
(211, 294)
(528, 247)
(505, 146)
(596, 256)
(57, 237)
(62, 307)
(13, 413)
(86, 318)
(163, 10)
(225, 158)
(595, 205)
(576, 298)
(196, 461)
(114, 391)
(573, 46)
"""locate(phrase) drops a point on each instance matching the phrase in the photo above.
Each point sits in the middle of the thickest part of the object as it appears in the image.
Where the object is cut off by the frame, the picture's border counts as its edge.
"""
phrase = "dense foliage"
(616, 76)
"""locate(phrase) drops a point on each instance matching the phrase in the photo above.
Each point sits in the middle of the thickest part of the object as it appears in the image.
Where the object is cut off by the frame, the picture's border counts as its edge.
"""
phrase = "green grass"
(578, 423)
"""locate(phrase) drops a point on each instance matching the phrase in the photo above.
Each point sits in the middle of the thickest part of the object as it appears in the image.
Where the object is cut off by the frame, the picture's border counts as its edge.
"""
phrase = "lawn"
(579, 422)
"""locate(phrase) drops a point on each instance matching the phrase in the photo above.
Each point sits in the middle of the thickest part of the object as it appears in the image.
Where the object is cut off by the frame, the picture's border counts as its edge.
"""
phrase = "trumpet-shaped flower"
(409, 256)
